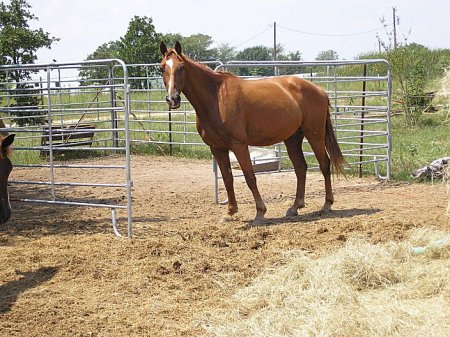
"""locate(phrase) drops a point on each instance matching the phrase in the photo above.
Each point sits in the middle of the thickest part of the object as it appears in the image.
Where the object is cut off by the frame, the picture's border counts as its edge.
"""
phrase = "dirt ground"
(64, 273)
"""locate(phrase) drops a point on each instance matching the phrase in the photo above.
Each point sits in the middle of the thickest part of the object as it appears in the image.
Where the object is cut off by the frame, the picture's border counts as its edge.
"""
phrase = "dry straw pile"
(443, 95)
(362, 289)
(444, 90)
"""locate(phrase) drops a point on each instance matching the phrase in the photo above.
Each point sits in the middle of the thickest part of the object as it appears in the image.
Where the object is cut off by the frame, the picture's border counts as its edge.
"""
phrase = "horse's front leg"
(243, 156)
(223, 160)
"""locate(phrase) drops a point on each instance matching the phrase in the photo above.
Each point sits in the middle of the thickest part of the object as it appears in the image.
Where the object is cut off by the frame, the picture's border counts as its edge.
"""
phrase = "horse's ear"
(8, 141)
(178, 48)
(163, 48)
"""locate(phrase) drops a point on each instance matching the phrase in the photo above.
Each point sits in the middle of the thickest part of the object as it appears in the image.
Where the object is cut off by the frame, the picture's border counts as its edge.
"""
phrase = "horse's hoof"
(325, 210)
(225, 219)
(291, 212)
(258, 222)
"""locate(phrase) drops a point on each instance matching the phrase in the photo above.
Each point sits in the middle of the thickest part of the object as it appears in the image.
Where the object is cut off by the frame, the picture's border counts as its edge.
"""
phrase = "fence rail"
(126, 107)
(51, 114)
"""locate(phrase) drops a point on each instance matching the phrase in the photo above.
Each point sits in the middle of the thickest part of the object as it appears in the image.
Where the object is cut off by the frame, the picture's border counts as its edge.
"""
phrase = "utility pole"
(274, 41)
(275, 46)
(394, 19)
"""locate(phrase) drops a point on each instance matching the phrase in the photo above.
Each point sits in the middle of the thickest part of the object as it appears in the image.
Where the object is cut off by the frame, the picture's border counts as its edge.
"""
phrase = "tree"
(290, 56)
(225, 53)
(257, 53)
(110, 50)
(140, 44)
(18, 45)
(196, 46)
(408, 68)
(327, 55)
(170, 40)
(408, 63)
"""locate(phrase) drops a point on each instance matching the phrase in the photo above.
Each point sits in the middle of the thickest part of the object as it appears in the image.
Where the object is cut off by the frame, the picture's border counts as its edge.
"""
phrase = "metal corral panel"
(65, 111)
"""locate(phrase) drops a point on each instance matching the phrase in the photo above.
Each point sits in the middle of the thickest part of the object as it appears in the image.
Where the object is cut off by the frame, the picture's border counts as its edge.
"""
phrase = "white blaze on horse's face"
(173, 77)
(169, 63)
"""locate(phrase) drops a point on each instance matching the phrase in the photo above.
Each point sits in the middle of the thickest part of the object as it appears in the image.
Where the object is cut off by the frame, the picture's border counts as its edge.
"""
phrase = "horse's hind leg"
(295, 152)
(317, 143)
(223, 160)
(243, 156)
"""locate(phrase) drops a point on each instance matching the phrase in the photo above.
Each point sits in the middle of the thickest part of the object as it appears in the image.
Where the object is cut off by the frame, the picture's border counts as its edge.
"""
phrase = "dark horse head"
(5, 170)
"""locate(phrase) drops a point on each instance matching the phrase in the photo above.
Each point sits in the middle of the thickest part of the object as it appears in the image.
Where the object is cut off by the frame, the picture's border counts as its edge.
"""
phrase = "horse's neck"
(200, 87)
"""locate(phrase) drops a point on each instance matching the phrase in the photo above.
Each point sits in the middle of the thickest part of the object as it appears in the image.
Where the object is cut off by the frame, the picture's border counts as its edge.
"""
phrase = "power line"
(255, 36)
(309, 33)
(331, 35)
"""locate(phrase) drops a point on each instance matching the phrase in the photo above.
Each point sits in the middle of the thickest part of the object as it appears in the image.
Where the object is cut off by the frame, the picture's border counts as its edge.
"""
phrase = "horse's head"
(172, 69)
(5, 170)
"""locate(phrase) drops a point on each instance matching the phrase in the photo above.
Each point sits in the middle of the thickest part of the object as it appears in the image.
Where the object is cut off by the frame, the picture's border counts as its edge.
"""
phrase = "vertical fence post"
(216, 182)
(50, 135)
(363, 108)
(170, 131)
(113, 102)
(127, 111)
(335, 99)
(42, 91)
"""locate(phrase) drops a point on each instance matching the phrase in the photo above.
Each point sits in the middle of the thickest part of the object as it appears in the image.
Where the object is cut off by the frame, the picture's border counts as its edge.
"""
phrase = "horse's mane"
(205, 67)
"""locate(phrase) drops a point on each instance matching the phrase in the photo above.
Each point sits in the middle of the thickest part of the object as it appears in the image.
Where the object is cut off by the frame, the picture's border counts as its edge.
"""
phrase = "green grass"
(416, 147)
(412, 147)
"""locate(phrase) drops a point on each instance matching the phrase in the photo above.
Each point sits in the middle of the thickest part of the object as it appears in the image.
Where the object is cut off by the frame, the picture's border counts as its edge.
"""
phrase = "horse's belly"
(272, 123)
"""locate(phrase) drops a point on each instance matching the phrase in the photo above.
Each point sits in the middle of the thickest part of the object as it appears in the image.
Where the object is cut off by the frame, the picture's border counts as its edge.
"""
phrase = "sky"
(348, 27)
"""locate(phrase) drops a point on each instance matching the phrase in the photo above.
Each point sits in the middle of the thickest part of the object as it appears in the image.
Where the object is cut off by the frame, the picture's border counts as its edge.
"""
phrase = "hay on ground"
(444, 90)
(361, 289)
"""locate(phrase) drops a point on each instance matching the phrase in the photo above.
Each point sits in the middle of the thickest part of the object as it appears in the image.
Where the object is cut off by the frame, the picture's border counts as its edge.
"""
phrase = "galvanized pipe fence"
(123, 108)
(57, 115)
(360, 98)
(152, 123)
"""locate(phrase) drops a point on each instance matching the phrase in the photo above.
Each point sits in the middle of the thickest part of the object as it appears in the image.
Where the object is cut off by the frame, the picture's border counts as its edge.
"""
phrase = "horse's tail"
(334, 152)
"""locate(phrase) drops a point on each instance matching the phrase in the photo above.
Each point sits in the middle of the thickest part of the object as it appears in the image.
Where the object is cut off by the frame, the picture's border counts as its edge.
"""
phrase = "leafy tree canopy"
(327, 55)
(225, 52)
(196, 46)
(256, 53)
(108, 50)
(18, 45)
(140, 44)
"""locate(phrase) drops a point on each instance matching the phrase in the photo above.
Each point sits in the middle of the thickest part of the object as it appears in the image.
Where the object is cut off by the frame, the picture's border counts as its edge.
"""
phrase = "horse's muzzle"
(4, 216)
(174, 102)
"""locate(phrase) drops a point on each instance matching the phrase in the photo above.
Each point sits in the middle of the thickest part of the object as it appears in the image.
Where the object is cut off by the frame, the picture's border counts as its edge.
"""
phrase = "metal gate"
(57, 114)
(153, 124)
(360, 105)
(359, 92)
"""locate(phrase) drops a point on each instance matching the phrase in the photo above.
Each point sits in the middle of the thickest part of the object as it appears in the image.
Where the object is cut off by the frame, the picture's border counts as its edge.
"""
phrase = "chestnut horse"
(233, 113)
(5, 170)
